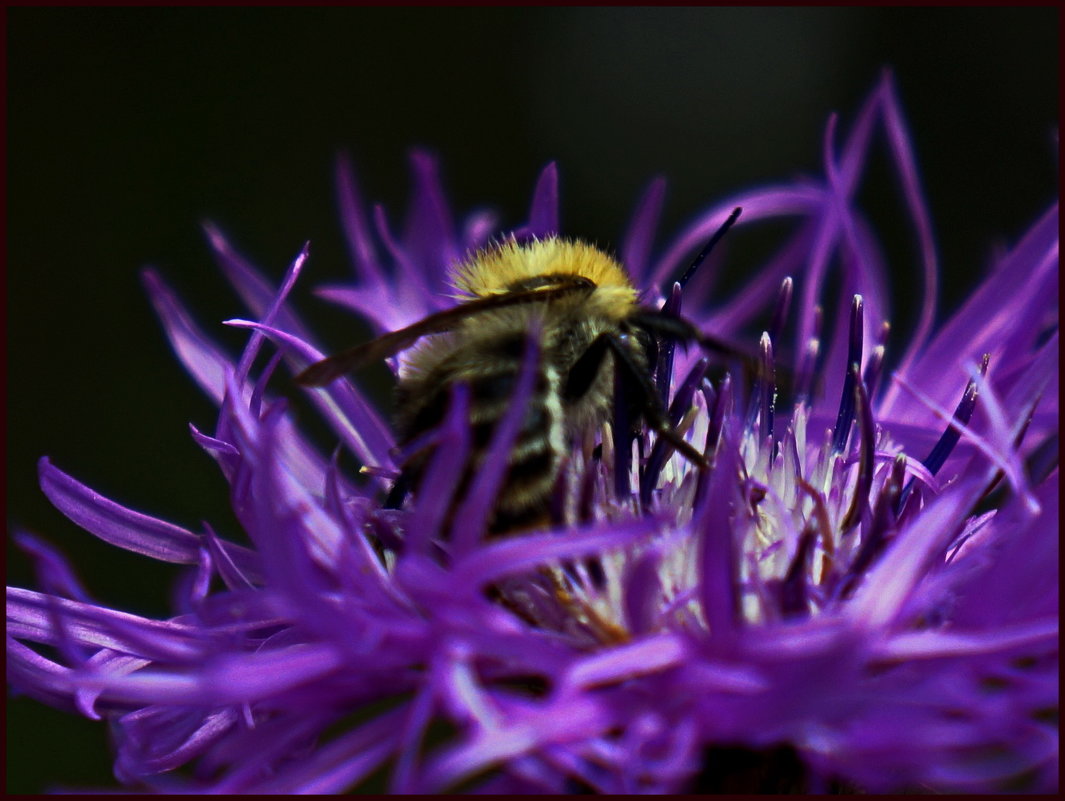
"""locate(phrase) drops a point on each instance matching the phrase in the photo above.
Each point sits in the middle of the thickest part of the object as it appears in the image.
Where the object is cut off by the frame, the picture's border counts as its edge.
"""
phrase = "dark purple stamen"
(719, 405)
(937, 457)
(776, 329)
(701, 257)
(763, 395)
(865, 459)
(662, 449)
(767, 386)
(823, 525)
(909, 503)
(666, 347)
(854, 357)
(710, 399)
(883, 522)
(875, 367)
(780, 311)
(722, 407)
(793, 589)
(810, 357)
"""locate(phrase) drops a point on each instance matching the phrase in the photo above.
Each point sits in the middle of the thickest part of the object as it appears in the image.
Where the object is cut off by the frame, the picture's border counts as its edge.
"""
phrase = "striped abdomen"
(536, 455)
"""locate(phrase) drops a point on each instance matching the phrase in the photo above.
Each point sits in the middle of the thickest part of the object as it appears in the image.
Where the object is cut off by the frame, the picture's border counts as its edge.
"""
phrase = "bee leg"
(676, 327)
(586, 368)
(583, 373)
(653, 411)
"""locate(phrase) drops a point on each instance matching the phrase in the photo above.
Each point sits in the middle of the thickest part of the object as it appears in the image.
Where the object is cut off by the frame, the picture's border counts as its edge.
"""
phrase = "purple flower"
(861, 592)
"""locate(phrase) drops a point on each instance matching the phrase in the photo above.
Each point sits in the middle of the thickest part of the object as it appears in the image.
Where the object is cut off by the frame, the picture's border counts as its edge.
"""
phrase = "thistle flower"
(861, 591)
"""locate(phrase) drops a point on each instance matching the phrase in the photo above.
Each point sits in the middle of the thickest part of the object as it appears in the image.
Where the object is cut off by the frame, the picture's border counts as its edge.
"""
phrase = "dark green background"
(127, 127)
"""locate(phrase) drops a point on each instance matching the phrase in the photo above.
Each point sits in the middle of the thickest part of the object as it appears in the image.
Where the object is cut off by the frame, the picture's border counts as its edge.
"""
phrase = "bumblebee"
(593, 332)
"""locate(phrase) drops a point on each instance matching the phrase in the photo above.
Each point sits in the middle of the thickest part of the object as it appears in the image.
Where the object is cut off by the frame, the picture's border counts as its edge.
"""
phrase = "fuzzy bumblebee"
(593, 333)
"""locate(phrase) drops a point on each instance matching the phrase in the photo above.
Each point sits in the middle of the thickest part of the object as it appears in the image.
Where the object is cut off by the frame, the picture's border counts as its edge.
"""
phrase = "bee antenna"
(701, 257)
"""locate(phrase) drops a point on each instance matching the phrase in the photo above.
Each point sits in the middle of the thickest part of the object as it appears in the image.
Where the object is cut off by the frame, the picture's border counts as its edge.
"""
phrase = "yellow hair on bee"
(496, 269)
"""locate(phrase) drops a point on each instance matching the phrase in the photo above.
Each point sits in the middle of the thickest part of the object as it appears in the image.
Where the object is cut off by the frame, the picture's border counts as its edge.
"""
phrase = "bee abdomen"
(529, 480)
(536, 453)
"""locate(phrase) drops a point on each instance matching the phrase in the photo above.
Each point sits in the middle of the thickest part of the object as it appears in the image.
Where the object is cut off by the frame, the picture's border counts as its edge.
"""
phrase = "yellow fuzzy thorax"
(494, 270)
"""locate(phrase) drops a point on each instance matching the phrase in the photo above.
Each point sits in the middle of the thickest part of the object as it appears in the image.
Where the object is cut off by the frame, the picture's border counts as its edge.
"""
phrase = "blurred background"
(128, 127)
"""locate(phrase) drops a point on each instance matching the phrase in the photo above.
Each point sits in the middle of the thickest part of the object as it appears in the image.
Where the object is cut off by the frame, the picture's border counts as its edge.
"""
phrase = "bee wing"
(321, 373)
(327, 370)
